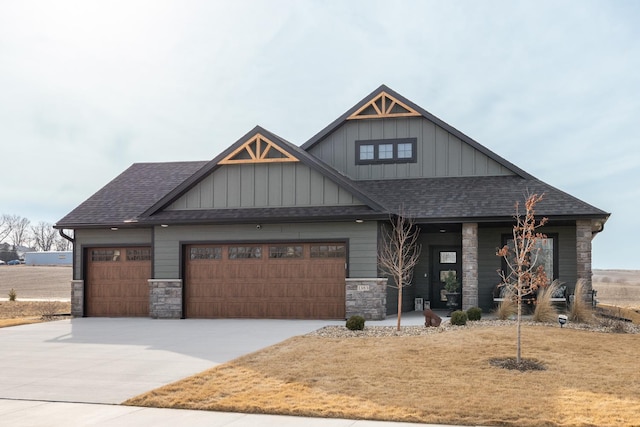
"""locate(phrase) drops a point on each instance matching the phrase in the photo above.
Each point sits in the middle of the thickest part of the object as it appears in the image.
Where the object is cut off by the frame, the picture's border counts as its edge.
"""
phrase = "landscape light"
(562, 319)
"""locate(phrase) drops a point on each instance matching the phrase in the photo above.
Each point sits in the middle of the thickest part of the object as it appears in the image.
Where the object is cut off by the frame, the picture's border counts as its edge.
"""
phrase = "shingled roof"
(129, 194)
(489, 198)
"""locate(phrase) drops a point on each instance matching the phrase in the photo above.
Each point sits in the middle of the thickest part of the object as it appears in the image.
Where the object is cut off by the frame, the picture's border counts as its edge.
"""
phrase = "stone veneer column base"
(77, 298)
(366, 298)
(469, 265)
(165, 298)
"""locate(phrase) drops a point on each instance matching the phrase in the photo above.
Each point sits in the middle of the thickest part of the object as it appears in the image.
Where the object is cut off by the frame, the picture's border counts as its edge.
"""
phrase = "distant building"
(49, 258)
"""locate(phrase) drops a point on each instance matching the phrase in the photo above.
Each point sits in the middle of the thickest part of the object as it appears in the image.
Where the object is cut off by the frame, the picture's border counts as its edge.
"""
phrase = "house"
(268, 229)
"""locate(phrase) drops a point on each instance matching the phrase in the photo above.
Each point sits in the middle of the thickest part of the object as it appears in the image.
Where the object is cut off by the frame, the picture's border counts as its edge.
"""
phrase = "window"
(139, 254)
(405, 151)
(211, 252)
(105, 255)
(547, 254)
(386, 151)
(366, 152)
(245, 252)
(328, 251)
(285, 252)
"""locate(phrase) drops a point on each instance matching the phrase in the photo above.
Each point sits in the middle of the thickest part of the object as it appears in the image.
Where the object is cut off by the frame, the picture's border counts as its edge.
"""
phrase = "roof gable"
(386, 96)
(268, 142)
(383, 106)
(258, 149)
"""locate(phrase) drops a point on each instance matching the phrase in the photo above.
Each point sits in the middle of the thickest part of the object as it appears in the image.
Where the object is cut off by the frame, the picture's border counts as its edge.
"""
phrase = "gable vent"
(258, 149)
(383, 106)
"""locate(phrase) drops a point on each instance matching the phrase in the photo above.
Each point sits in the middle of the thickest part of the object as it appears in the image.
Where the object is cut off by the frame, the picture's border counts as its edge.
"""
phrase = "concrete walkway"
(75, 372)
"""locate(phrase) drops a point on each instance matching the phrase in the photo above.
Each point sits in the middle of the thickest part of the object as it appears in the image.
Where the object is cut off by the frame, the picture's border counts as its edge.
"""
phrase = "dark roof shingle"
(129, 194)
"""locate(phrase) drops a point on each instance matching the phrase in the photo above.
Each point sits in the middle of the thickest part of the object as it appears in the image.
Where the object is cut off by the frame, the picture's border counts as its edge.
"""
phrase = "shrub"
(12, 295)
(355, 323)
(580, 310)
(474, 313)
(506, 309)
(545, 310)
(459, 318)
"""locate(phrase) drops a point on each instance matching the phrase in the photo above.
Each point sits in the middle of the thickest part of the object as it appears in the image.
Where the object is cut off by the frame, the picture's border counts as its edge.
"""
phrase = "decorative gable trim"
(383, 106)
(258, 149)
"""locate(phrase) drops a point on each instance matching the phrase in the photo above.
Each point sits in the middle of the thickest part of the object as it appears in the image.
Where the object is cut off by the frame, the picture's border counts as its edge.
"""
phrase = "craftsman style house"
(268, 229)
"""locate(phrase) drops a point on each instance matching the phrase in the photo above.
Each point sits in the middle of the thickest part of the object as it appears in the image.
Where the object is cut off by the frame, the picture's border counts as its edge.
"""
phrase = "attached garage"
(265, 280)
(116, 282)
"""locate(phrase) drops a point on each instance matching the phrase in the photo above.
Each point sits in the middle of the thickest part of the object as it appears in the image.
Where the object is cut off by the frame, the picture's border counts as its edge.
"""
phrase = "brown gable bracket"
(382, 106)
(258, 149)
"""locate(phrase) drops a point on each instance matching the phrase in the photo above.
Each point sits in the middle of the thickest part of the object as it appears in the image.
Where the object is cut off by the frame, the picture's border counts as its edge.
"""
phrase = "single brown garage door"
(116, 283)
(279, 280)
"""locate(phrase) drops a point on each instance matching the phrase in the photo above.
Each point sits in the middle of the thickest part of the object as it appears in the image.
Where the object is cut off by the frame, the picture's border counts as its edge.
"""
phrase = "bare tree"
(44, 236)
(399, 252)
(523, 276)
(5, 229)
(19, 227)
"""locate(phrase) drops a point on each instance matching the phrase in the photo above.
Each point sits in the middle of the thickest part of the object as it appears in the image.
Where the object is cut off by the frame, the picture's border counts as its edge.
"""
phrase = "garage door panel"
(116, 283)
(297, 286)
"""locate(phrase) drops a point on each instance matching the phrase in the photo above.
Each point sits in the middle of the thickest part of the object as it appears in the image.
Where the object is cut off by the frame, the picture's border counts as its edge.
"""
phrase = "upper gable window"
(378, 151)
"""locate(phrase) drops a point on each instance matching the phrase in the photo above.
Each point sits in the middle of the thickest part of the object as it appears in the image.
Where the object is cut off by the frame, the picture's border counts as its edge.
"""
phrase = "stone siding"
(77, 298)
(469, 265)
(366, 298)
(165, 298)
(583, 253)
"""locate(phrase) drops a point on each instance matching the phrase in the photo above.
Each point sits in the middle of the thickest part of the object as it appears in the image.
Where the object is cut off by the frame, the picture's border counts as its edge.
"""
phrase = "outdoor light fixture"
(562, 319)
(163, 225)
(359, 221)
(114, 228)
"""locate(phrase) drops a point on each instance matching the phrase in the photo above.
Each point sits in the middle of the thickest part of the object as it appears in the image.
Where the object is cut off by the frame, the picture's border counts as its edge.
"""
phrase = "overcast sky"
(89, 87)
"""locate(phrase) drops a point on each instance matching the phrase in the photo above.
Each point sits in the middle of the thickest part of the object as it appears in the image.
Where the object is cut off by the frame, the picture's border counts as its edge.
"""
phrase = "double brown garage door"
(292, 281)
(117, 281)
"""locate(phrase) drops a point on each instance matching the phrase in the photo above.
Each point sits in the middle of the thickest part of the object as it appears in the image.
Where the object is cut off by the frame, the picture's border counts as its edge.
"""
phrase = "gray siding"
(361, 238)
(88, 238)
(264, 185)
(490, 239)
(440, 154)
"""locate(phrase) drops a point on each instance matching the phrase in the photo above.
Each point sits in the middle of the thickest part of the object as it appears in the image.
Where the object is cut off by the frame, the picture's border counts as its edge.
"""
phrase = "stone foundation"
(165, 298)
(366, 298)
(77, 298)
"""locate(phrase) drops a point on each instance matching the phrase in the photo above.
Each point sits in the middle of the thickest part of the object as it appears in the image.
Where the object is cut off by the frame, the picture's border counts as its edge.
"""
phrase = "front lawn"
(591, 378)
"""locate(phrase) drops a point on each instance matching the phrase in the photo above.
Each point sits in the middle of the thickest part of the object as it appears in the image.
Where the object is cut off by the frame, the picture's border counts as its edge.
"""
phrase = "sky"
(88, 88)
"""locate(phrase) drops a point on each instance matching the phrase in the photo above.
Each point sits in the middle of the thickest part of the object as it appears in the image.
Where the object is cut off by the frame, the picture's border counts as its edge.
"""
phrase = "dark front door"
(443, 260)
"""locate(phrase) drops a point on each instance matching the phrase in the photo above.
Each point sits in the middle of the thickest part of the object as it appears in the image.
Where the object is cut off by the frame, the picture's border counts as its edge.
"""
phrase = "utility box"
(419, 303)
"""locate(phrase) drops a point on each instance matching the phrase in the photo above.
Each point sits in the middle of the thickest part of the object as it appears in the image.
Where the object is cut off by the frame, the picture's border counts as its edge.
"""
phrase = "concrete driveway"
(104, 360)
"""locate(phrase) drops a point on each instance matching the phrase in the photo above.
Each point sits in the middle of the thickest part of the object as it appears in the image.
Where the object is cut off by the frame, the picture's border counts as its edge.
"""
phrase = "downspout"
(71, 239)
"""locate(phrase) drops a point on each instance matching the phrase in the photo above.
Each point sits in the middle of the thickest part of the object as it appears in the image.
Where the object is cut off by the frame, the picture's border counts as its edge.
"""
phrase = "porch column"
(583, 253)
(469, 265)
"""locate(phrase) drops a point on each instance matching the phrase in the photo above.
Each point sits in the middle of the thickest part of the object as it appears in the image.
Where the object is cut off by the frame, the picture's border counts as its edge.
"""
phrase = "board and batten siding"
(101, 237)
(264, 185)
(439, 153)
(490, 239)
(361, 238)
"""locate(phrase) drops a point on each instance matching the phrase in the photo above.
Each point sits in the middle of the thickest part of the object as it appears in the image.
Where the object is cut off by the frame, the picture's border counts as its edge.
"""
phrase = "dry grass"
(426, 379)
(13, 313)
(506, 309)
(545, 311)
(619, 288)
(580, 310)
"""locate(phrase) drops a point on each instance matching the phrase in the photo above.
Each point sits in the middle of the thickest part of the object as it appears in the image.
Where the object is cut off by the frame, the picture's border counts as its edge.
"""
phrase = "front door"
(443, 260)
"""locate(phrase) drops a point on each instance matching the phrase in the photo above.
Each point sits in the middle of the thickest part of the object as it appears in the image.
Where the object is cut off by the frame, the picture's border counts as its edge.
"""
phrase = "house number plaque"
(363, 287)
